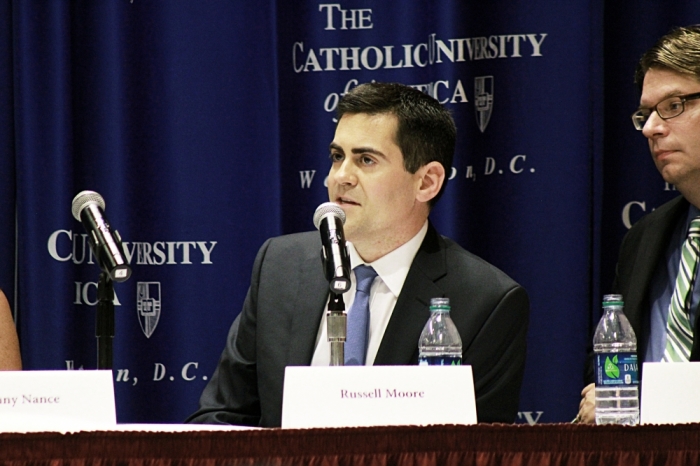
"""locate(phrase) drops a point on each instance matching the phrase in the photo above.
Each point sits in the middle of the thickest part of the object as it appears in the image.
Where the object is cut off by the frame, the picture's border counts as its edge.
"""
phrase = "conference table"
(483, 444)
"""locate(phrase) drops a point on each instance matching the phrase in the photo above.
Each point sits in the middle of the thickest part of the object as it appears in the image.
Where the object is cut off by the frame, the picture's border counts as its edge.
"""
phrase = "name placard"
(356, 396)
(35, 401)
(670, 393)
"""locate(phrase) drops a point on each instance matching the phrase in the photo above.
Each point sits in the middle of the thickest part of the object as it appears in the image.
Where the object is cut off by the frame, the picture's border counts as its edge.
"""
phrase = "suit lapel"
(400, 341)
(652, 247)
(309, 305)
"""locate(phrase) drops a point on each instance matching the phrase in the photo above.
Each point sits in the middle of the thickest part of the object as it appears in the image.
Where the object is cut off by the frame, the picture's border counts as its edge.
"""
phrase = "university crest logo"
(483, 100)
(148, 306)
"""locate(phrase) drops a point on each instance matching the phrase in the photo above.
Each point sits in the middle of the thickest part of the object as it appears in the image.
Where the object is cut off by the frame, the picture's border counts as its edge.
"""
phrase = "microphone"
(88, 208)
(329, 219)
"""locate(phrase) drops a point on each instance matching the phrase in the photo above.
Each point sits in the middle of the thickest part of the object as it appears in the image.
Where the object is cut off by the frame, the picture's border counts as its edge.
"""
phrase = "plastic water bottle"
(440, 344)
(616, 368)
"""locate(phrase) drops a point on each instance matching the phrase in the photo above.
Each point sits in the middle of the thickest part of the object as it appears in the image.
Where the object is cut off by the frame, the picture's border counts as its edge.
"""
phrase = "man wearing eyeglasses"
(657, 267)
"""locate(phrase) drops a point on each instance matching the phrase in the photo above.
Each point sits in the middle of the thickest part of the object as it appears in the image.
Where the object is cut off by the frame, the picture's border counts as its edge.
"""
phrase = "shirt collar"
(393, 267)
(693, 212)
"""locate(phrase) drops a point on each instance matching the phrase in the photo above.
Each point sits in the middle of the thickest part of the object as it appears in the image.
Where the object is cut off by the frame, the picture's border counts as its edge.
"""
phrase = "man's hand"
(586, 409)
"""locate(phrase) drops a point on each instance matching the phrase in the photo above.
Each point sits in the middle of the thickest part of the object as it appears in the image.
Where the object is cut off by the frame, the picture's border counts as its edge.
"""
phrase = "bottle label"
(613, 369)
(440, 361)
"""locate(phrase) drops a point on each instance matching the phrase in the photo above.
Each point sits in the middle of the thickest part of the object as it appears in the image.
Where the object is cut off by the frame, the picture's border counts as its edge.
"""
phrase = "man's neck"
(695, 202)
(691, 195)
(374, 249)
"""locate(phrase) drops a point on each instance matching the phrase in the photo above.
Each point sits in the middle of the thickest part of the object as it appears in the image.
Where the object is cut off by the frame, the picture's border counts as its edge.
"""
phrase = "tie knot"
(364, 275)
(694, 230)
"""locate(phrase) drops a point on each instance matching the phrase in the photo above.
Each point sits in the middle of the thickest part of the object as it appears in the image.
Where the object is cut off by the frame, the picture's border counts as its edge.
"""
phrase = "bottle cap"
(440, 304)
(610, 300)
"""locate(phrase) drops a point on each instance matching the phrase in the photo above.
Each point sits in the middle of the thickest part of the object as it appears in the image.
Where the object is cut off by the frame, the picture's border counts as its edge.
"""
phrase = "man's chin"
(349, 230)
(675, 178)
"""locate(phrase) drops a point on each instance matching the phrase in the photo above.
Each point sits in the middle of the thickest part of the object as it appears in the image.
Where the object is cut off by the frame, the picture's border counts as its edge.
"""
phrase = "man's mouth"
(346, 201)
(661, 154)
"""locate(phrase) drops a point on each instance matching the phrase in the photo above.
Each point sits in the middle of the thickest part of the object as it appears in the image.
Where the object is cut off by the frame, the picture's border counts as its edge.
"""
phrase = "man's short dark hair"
(426, 131)
(678, 51)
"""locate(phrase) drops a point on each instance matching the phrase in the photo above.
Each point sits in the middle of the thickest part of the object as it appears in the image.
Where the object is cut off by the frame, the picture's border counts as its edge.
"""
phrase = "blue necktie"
(358, 317)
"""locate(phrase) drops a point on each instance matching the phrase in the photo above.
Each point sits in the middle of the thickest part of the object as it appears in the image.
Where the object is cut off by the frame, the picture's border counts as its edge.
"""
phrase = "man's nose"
(654, 126)
(345, 173)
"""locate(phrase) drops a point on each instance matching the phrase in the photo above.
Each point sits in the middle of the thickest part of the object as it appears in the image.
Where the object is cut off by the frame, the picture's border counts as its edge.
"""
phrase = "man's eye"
(335, 157)
(675, 105)
(366, 160)
(670, 106)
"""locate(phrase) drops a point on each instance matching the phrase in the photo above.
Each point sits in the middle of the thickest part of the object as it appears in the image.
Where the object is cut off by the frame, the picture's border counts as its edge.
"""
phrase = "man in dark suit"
(391, 148)
(649, 263)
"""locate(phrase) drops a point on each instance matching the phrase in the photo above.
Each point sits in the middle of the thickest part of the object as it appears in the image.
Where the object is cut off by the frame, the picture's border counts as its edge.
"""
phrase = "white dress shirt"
(392, 270)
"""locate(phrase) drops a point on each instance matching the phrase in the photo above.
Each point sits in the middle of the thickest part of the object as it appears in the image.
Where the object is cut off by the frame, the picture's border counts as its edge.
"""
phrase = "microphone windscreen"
(84, 199)
(325, 209)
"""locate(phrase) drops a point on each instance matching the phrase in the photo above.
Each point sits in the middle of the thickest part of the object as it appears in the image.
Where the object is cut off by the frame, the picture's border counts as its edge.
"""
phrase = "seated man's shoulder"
(459, 259)
(672, 208)
(660, 221)
(290, 249)
(304, 239)
(285, 254)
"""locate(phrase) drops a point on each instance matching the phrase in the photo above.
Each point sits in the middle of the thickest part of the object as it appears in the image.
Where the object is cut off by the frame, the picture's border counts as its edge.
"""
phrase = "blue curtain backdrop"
(205, 126)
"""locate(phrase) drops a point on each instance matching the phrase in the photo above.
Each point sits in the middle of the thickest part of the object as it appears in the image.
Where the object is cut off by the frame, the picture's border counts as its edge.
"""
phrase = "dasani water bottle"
(616, 368)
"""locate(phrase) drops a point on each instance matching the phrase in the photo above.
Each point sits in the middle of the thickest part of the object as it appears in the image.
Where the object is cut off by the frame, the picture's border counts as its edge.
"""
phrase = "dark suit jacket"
(643, 247)
(286, 300)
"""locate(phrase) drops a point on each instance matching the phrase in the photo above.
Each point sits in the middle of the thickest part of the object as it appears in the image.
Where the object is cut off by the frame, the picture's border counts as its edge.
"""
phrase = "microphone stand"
(104, 321)
(336, 321)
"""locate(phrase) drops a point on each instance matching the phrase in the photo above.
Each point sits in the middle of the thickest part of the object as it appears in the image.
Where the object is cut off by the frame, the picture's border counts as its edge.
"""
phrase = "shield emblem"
(483, 100)
(148, 306)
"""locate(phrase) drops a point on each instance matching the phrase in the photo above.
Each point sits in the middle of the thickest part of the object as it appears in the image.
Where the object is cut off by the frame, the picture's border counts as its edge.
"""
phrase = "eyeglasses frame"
(683, 98)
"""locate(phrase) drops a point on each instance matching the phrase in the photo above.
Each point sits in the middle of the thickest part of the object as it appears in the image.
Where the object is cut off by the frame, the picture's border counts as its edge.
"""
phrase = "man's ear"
(431, 177)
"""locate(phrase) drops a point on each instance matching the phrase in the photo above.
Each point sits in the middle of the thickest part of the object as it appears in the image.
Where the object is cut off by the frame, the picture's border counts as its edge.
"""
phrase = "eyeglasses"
(666, 109)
